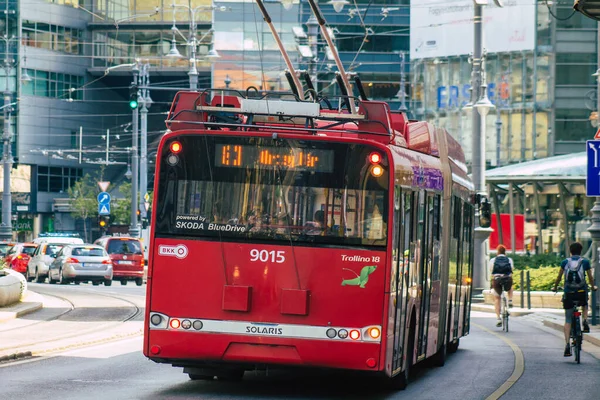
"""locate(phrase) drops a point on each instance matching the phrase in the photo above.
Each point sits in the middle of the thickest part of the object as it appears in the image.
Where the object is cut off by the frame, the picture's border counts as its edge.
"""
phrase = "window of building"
(575, 74)
(574, 20)
(52, 84)
(57, 179)
(51, 37)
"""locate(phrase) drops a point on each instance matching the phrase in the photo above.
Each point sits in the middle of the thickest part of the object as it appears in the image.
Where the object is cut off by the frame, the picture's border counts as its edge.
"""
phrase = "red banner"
(519, 232)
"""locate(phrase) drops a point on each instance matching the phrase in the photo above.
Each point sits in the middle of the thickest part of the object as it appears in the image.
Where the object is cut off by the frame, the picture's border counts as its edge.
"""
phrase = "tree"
(84, 203)
(121, 211)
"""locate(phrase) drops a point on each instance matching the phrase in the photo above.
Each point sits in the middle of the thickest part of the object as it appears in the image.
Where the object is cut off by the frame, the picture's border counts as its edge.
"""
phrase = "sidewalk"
(551, 317)
(30, 303)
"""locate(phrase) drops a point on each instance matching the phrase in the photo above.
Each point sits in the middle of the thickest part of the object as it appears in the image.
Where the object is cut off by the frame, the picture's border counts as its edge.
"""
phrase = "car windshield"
(52, 249)
(29, 249)
(87, 252)
(124, 246)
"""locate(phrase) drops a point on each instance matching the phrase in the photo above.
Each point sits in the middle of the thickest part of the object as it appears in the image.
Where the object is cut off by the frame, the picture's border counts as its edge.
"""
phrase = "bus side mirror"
(485, 214)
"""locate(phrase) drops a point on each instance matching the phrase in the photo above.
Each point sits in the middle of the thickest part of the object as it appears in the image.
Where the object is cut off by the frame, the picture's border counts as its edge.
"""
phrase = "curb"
(490, 309)
(559, 327)
(22, 308)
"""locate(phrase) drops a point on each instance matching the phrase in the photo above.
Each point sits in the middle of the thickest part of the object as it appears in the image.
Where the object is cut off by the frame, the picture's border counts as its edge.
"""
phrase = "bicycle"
(576, 332)
(504, 302)
(576, 336)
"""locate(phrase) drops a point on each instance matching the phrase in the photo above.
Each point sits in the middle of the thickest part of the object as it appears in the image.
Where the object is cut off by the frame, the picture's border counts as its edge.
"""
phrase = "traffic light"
(103, 221)
(133, 96)
(485, 214)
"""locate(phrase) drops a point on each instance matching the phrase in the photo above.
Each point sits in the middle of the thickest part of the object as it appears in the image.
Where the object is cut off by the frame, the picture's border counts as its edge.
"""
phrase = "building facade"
(539, 62)
(69, 68)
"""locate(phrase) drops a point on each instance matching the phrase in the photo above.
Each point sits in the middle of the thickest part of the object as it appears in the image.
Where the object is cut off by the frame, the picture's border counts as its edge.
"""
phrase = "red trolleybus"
(286, 234)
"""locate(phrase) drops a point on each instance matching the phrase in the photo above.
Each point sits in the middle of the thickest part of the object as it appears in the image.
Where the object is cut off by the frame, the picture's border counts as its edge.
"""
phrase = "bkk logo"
(180, 251)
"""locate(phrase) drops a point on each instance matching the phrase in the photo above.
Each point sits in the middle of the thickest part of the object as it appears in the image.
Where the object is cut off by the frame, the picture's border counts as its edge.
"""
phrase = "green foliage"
(121, 209)
(541, 279)
(83, 197)
(84, 203)
(535, 261)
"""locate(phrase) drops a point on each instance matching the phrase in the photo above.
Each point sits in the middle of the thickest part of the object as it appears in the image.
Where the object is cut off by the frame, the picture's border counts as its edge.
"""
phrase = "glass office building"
(543, 91)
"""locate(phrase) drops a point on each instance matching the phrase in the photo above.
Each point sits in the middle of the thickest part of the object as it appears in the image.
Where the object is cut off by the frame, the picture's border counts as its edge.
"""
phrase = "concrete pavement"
(67, 317)
(30, 303)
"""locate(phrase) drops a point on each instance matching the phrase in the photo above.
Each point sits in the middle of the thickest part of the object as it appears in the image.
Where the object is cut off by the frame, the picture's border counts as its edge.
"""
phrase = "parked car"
(5, 247)
(38, 266)
(127, 256)
(19, 255)
(81, 263)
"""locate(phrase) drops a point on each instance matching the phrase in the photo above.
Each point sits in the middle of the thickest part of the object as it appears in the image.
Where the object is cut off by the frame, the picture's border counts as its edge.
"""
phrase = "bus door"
(460, 226)
(402, 237)
(435, 286)
(424, 279)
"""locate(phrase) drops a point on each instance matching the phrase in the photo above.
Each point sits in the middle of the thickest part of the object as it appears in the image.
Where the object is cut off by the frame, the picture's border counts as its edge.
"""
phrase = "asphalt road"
(484, 361)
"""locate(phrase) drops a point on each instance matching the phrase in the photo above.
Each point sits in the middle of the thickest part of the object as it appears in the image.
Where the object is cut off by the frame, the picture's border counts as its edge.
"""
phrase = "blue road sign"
(104, 209)
(593, 168)
(103, 198)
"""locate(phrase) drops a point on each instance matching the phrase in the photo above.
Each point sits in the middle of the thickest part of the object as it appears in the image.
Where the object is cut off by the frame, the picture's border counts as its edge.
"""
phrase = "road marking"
(110, 348)
(517, 371)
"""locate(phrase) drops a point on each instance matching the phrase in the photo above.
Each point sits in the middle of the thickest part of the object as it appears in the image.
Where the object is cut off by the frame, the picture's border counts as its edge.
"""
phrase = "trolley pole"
(134, 228)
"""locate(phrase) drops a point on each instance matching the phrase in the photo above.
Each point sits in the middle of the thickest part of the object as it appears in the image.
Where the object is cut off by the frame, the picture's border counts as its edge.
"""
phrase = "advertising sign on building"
(445, 28)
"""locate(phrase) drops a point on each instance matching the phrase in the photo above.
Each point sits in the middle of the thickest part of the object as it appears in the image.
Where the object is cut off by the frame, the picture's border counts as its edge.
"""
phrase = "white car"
(37, 269)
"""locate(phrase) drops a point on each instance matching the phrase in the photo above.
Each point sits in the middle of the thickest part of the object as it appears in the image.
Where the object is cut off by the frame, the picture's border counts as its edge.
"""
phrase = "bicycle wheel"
(504, 314)
(578, 338)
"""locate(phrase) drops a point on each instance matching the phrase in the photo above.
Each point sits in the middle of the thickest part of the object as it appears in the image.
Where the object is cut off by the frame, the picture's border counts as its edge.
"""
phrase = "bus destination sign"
(241, 156)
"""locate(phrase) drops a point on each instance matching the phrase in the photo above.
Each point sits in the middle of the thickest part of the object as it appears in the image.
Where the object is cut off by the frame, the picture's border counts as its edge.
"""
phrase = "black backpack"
(502, 266)
(574, 279)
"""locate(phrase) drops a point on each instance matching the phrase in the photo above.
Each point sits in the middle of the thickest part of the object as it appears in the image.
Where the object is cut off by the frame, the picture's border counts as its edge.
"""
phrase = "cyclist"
(576, 288)
(501, 268)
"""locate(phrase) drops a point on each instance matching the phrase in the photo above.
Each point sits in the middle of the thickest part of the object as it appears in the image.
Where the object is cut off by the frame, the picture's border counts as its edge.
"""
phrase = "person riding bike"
(575, 288)
(501, 268)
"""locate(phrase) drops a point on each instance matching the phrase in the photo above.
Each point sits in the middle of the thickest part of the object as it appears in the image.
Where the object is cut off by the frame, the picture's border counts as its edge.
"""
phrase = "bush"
(536, 261)
(541, 279)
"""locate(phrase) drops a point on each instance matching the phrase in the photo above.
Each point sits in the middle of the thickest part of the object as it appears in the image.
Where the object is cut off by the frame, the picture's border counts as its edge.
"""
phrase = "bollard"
(522, 289)
(528, 292)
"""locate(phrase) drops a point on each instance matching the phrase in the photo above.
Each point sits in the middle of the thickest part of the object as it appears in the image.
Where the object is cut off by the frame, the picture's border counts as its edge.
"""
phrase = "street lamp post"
(402, 92)
(483, 106)
(6, 225)
(134, 228)
(192, 41)
(312, 26)
(594, 229)
(146, 102)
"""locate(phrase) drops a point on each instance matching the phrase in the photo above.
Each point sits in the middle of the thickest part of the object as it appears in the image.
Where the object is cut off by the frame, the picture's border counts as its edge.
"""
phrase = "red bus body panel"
(306, 289)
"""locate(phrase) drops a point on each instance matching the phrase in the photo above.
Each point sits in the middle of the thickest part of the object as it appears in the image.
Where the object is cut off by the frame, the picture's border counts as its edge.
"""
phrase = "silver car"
(37, 269)
(81, 263)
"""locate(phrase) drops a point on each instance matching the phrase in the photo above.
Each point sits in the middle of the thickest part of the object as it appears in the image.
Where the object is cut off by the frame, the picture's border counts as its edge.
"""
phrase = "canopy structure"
(550, 193)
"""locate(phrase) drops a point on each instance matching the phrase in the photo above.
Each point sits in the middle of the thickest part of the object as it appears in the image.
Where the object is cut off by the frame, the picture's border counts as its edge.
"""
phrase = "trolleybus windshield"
(236, 188)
